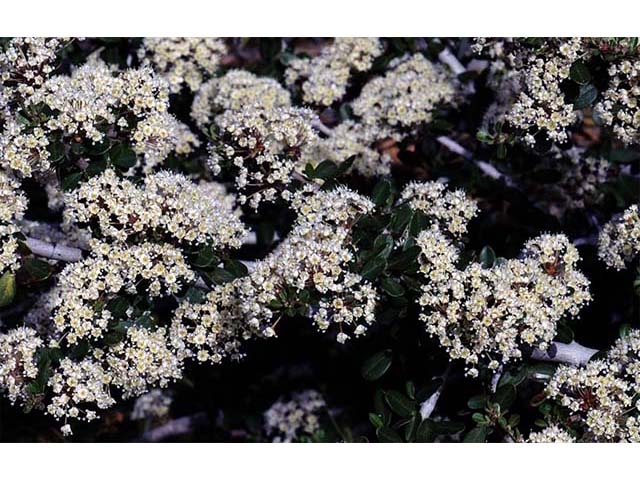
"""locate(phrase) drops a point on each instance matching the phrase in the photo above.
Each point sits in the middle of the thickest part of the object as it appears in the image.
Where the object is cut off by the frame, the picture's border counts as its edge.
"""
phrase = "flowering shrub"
(351, 239)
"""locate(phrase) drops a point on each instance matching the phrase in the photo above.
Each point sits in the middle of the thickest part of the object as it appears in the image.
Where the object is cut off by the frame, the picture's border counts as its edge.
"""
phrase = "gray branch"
(54, 251)
(572, 353)
(179, 426)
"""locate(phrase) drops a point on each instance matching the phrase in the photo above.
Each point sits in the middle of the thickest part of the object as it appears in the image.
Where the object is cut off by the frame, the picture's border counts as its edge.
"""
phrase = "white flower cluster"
(351, 139)
(450, 211)
(167, 206)
(582, 177)
(25, 64)
(551, 434)
(540, 105)
(324, 79)
(263, 148)
(406, 96)
(86, 286)
(144, 358)
(603, 395)
(486, 314)
(154, 404)
(287, 421)
(18, 361)
(313, 258)
(619, 240)
(183, 60)
(92, 104)
(13, 204)
(235, 90)
(620, 105)
(79, 387)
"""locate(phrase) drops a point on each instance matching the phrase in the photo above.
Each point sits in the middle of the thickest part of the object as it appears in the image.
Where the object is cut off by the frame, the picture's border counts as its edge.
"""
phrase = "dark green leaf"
(326, 169)
(387, 435)
(477, 402)
(122, 156)
(505, 396)
(38, 270)
(487, 257)
(381, 193)
(579, 73)
(477, 435)
(400, 403)
(393, 288)
(377, 365)
(373, 268)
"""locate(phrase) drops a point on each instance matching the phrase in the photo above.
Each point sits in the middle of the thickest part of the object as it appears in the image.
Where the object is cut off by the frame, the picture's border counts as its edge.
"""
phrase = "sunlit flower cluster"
(603, 394)
(262, 148)
(551, 434)
(235, 90)
(26, 63)
(313, 261)
(451, 211)
(94, 104)
(620, 105)
(287, 421)
(143, 359)
(351, 139)
(540, 106)
(167, 206)
(13, 204)
(619, 240)
(406, 96)
(485, 315)
(18, 362)
(79, 388)
(325, 78)
(111, 270)
(183, 60)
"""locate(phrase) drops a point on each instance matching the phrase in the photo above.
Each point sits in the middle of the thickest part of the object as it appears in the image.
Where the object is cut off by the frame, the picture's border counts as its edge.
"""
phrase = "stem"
(572, 353)
(485, 167)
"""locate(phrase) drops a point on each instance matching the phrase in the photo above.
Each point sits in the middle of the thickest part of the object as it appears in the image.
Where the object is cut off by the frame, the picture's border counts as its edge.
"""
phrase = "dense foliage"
(352, 239)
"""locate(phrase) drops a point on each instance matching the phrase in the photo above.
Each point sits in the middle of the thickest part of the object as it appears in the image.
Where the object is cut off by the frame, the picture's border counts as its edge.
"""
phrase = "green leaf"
(404, 259)
(377, 365)
(485, 137)
(387, 435)
(477, 435)
(505, 396)
(579, 73)
(236, 267)
(588, 94)
(326, 169)
(118, 306)
(381, 193)
(393, 288)
(71, 181)
(7, 288)
(425, 431)
(373, 268)
(487, 257)
(205, 258)
(477, 402)
(400, 404)
(122, 156)
(38, 270)
(376, 420)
